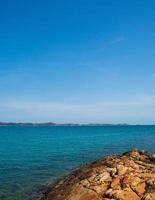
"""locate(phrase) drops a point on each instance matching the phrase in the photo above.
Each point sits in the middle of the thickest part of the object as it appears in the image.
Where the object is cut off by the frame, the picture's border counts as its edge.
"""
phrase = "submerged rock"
(130, 176)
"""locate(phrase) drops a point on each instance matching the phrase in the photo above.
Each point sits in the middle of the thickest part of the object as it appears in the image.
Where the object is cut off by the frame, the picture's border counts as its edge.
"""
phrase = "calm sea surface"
(30, 157)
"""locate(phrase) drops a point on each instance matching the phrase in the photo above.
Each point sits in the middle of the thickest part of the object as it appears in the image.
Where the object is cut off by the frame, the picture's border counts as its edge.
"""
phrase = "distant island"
(57, 124)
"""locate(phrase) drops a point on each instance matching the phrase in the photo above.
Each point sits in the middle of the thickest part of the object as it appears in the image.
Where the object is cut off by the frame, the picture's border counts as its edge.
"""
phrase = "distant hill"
(26, 124)
(54, 124)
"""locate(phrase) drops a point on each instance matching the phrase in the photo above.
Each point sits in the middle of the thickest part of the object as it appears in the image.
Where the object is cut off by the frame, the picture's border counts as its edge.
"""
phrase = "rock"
(115, 182)
(81, 193)
(126, 194)
(130, 176)
(104, 177)
(149, 196)
(121, 169)
(140, 189)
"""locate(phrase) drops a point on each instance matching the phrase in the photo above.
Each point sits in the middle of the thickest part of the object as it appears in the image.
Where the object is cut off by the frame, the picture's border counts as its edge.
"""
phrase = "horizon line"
(72, 123)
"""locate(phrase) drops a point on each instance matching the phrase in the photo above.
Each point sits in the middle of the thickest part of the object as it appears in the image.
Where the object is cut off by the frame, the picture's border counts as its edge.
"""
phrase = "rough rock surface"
(130, 176)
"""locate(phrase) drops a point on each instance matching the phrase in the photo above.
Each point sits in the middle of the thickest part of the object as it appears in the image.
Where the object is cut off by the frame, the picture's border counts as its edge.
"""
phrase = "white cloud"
(139, 110)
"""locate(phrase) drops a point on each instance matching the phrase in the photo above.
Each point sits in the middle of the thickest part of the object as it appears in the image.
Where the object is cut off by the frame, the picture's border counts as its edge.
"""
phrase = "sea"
(31, 157)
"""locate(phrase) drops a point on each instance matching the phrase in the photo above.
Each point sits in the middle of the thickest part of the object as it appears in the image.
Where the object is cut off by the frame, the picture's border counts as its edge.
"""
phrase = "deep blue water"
(33, 156)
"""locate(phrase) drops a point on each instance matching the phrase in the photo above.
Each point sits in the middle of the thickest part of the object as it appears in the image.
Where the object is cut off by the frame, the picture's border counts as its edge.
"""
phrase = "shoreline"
(130, 175)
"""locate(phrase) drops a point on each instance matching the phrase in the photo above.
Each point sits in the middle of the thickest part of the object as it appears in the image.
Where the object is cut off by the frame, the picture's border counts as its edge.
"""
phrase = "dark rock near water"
(130, 176)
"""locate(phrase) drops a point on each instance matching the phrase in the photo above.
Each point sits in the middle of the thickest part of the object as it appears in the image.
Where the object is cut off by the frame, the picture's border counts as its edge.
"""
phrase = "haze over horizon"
(77, 61)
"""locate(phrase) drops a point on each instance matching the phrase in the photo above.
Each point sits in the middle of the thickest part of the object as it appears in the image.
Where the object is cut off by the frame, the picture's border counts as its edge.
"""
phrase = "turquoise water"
(30, 157)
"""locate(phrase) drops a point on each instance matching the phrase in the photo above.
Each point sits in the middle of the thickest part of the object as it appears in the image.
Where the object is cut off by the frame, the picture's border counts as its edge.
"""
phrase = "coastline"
(123, 177)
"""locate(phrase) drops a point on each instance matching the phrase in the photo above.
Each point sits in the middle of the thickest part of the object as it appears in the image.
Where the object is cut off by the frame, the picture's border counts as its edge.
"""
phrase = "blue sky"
(77, 61)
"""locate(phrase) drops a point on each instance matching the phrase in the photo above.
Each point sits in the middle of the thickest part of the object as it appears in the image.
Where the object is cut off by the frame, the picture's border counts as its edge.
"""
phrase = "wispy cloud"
(130, 111)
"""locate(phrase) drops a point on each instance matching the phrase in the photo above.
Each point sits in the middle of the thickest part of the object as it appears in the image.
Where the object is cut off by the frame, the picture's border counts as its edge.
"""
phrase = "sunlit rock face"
(130, 176)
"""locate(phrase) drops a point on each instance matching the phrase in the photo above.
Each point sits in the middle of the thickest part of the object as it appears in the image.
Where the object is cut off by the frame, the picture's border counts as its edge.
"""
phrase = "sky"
(77, 61)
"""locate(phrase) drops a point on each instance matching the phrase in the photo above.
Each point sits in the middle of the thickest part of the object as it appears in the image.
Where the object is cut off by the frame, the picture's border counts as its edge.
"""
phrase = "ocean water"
(31, 157)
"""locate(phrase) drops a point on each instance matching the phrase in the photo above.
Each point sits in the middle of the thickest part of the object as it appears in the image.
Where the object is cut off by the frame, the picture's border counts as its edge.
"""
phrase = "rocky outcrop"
(130, 176)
